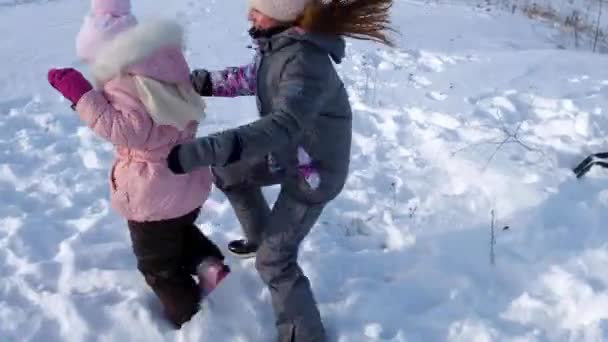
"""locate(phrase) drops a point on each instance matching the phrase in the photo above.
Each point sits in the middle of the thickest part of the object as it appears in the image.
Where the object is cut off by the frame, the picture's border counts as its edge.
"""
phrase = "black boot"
(243, 248)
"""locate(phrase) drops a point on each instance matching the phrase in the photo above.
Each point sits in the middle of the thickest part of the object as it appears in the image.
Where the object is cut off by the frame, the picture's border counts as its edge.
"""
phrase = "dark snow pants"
(278, 233)
(168, 253)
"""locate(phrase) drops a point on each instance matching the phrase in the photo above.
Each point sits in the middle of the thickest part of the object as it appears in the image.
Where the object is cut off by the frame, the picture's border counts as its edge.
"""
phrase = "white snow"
(474, 112)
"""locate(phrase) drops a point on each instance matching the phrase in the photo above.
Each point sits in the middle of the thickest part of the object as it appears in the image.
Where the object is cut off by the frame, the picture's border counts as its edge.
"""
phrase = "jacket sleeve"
(297, 103)
(230, 82)
(122, 128)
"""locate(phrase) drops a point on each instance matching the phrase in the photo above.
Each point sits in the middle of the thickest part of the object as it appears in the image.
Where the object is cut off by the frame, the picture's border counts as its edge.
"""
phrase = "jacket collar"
(271, 39)
(334, 46)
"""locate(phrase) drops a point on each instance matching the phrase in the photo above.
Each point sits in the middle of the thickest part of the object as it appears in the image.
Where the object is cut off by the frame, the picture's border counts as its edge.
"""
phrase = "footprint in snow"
(419, 81)
(437, 96)
(16, 105)
(578, 79)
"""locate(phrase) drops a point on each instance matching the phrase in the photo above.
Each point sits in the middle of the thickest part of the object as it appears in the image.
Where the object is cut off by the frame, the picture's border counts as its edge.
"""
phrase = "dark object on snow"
(600, 159)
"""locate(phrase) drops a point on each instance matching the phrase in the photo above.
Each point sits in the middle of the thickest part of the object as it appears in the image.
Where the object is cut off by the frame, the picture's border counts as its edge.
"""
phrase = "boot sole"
(243, 256)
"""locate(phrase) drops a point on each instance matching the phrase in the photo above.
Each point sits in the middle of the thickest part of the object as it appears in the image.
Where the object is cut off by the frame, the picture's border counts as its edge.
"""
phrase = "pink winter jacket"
(142, 186)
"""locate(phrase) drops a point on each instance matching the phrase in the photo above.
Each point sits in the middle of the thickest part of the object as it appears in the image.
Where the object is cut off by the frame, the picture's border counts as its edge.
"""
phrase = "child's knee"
(276, 262)
(198, 247)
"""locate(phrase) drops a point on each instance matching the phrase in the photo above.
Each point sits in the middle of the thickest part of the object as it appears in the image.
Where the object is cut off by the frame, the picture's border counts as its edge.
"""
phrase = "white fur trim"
(133, 45)
(170, 104)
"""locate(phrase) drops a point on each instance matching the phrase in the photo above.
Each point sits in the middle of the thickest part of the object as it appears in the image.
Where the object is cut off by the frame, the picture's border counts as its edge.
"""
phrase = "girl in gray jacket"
(301, 141)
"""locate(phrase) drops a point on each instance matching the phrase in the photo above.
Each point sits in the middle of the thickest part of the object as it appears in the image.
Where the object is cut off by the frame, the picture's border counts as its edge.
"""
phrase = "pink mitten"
(70, 83)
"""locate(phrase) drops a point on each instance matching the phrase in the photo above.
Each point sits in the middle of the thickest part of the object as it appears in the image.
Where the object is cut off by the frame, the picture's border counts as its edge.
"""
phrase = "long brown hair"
(358, 19)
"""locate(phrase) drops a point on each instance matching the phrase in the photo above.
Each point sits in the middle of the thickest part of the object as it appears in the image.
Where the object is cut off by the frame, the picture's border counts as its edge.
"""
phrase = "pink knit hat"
(281, 10)
(114, 7)
(106, 19)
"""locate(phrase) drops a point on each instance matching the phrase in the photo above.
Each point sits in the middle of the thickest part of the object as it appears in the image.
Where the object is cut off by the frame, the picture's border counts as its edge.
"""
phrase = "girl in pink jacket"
(144, 106)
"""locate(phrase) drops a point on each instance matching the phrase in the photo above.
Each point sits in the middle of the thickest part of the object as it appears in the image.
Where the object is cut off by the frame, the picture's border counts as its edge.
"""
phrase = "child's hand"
(201, 81)
(70, 83)
(173, 161)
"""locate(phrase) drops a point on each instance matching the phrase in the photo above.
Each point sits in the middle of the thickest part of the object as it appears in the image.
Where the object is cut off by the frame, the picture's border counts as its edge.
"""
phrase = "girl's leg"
(241, 183)
(251, 210)
(202, 257)
(297, 316)
(197, 246)
(158, 247)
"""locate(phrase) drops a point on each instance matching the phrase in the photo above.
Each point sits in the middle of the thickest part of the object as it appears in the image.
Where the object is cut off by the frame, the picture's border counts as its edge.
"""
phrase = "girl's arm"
(230, 82)
(301, 94)
(124, 128)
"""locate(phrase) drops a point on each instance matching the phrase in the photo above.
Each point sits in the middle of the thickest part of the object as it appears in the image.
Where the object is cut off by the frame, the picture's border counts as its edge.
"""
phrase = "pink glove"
(70, 83)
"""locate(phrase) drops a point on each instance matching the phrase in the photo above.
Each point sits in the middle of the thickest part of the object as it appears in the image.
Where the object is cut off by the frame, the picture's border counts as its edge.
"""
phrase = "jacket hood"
(335, 46)
(153, 50)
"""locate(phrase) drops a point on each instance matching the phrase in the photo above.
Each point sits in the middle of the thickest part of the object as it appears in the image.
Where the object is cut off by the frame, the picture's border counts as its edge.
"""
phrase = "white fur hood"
(150, 49)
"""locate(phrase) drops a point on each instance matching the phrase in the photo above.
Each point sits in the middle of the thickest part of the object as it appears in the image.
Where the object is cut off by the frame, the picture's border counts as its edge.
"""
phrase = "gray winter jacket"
(302, 102)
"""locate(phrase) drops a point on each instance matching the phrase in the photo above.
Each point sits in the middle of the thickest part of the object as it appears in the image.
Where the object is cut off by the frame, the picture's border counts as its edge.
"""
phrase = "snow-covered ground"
(474, 113)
